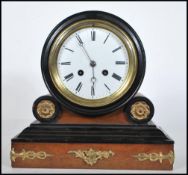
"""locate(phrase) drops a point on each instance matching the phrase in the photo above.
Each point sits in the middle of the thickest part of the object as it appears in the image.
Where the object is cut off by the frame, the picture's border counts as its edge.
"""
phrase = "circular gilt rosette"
(140, 110)
(46, 108)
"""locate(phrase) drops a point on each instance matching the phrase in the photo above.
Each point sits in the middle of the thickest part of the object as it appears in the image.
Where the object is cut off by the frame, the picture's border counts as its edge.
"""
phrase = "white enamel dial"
(92, 63)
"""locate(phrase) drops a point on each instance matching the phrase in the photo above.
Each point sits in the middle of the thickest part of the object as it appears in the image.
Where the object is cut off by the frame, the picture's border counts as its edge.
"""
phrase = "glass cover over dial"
(92, 63)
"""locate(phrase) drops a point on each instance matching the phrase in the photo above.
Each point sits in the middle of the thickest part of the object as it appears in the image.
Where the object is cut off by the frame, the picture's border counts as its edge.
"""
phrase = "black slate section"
(87, 133)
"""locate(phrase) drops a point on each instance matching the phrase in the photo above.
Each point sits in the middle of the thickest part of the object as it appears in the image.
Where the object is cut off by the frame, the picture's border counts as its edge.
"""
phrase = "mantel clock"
(93, 64)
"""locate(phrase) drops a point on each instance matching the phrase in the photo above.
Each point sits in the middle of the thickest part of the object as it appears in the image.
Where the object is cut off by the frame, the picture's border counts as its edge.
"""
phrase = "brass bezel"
(128, 81)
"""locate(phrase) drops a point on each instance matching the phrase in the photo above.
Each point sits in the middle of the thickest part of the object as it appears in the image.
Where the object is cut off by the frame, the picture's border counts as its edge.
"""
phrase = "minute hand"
(81, 44)
(85, 51)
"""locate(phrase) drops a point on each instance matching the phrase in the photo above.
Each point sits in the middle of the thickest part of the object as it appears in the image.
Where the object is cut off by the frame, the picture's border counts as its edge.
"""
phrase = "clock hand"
(92, 63)
(81, 44)
(93, 80)
(85, 51)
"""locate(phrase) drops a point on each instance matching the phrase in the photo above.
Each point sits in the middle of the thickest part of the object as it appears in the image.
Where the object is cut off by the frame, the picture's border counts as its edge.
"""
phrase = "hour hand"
(92, 90)
(93, 80)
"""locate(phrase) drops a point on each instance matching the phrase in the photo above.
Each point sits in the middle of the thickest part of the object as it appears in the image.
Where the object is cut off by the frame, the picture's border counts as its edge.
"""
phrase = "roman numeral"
(117, 77)
(93, 35)
(79, 87)
(106, 86)
(116, 49)
(79, 39)
(120, 62)
(69, 49)
(69, 76)
(65, 63)
(106, 38)
(92, 91)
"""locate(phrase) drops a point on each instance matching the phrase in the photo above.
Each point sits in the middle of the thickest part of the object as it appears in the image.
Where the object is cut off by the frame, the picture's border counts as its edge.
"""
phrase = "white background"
(162, 29)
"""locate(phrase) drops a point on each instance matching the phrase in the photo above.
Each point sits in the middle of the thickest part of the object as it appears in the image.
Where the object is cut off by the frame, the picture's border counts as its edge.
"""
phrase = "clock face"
(93, 63)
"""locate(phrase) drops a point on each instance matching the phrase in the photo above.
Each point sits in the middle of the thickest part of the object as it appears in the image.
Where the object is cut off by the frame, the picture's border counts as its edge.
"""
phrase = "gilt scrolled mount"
(91, 156)
(24, 155)
(153, 157)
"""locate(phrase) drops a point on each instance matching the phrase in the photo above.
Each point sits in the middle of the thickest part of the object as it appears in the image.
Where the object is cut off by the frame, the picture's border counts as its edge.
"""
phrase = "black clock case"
(93, 111)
